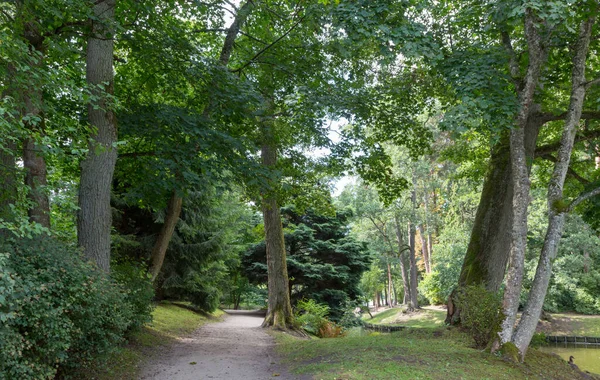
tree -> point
(94, 217)
(556, 213)
(324, 263)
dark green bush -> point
(139, 292)
(480, 313)
(57, 313)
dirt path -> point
(237, 348)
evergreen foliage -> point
(324, 263)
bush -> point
(139, 292)
(480, 313)
(350, 318)
(57, 313)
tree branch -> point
(572, 173)
(263, 50)
(582, 136)
(591, 83)
(583, 197)
(513, 63)
(547, 116)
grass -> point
(425, 318)
(412, 354)
(583, 325)
(571, 325)
(169, 322)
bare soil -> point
(237, 348)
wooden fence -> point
(383, 328)
(574, 339)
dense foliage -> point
(324, 263)
(58, 313)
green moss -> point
(510, 351)
(560, 206)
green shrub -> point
(538, 339)
(58, 313)
(139, 292)
(480, 313)
(350, 318)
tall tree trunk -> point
(385, 293)
(33, 158)
(390, 284)
(488, 251)
(166, 234)
(556, 212)
(404, 263)
(430, 247)
(424, 249)
(164, 237)
(414, 303)
(395, 289)
(279, 313)
(520, 175)
(94, 218)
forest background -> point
(166, 150)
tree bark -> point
(164, 237)
(414, 302)
(279, 313)
(520, 175)
(430, 247)
(404, 264)
(487, 253)
(94, 217)
(34, 162)
(424, 249)
(556, 213)
(390, 284)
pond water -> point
(587, 359)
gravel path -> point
(237, 348)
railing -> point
(573, 339)
(382, 328)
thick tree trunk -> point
(279, 313)
(424, 249)
(487, 253)
(36, 179)
(556, 213)
(414, 303)
(94, 217)
(166, 233)
(404, 263)
(33, 158)
(520, 176)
